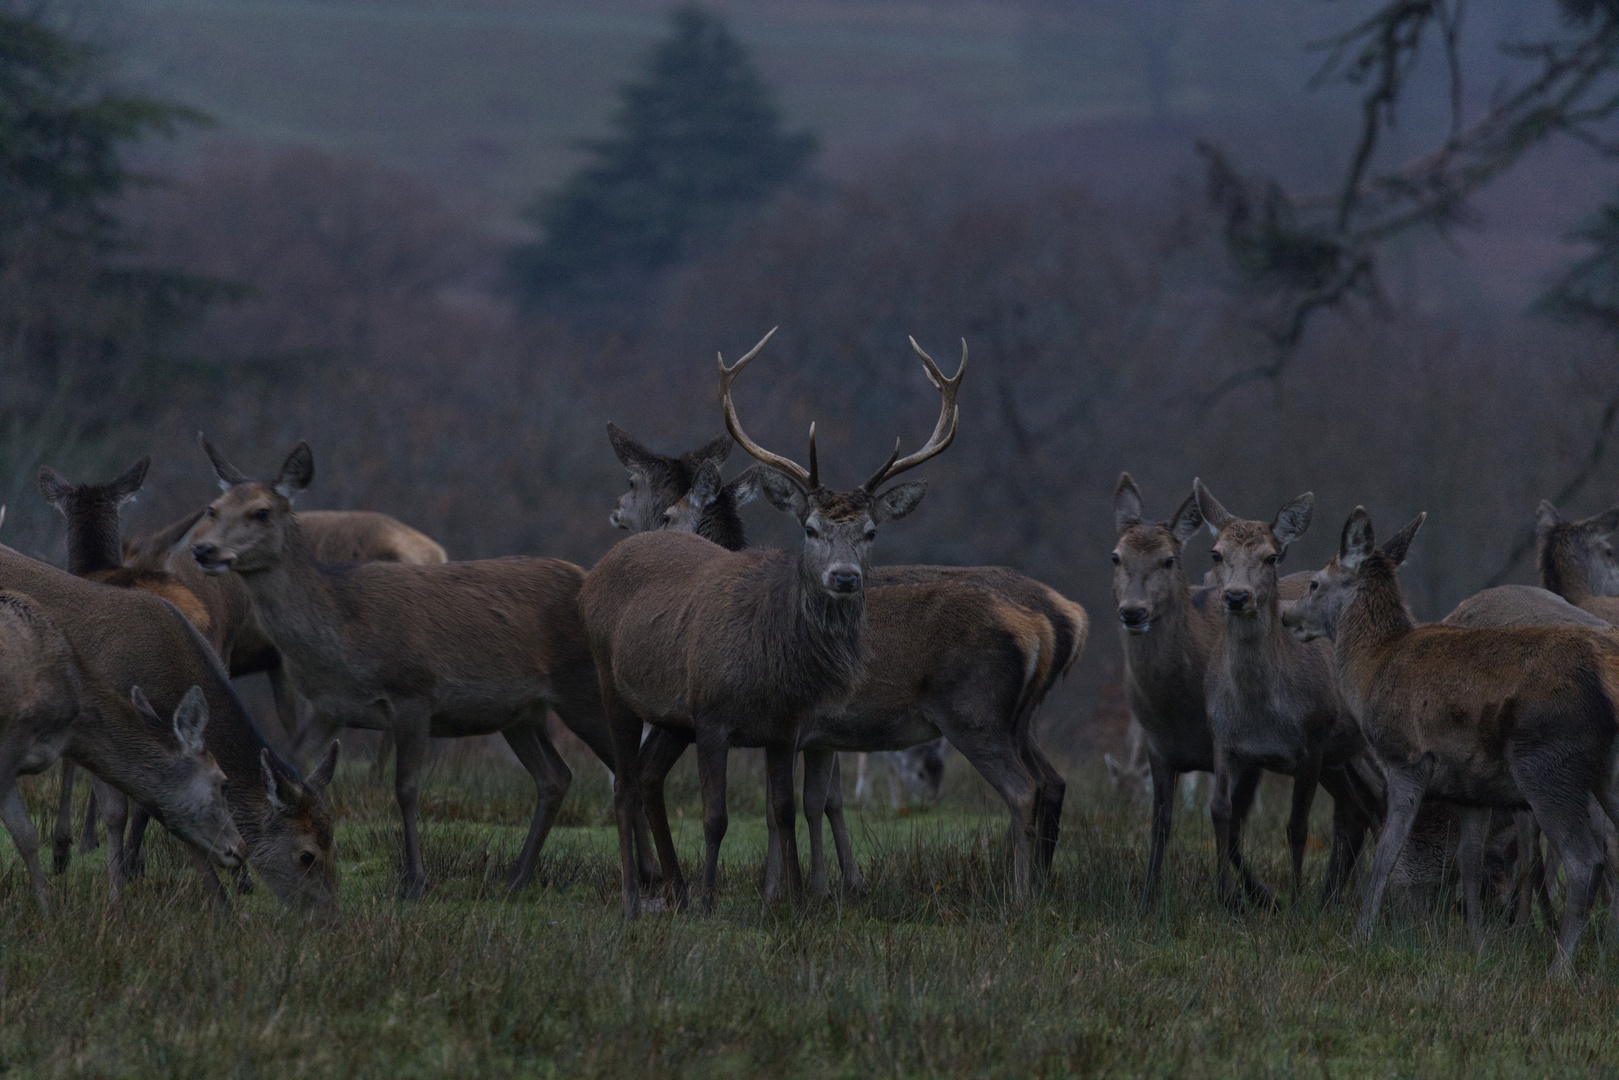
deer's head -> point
(192, 784)
(1575, 556)
(1148, 578)
(1247, 553)
(839, 526)
(1318, 612)
(657, 481)
(295, 853)
(245, 528)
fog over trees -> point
(272, 289)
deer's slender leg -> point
(624, 727)
(1163, 815)
(852, 879)
(115, 812)
(135, 844)
(658, 755)
(1350, 800)
(1406, 785)
(713, 750)
(779, 761)
(1244, 795)
(533, 747)
(1053, 789)
(1224, 834)
(62, 834)
(998, 761)
(286, 704)
(1475, 831)
(23, 834)
(773, 856)
(819, 764)
(89, 838)
(410, 725)
(1305, 780)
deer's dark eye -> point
(871, 534)
(212, 513)
(307, 859)
(1314, 585)
(1116, 559)
(261, 515)
(1169, 563)
(809, 531)
(1270, 560)
(1216, 556)
(632, 483)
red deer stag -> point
(741, 648)
(1272, 701)
(50, 705)
(946, 654)
(1482, 718)
(450, 650)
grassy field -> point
(935, 971)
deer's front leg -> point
(410, 727)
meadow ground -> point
(934, 971)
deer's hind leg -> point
(658, 755)
(779, 761)
(411, 721)
(998, 761)
(1234, 787)
(1306, 778)
(533, 747)
(26, 838)
(713, 754)
(852, 878)
(1406, 785)
(62, 834)
(820, 767)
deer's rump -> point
(1492, 706)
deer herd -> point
(1467, 741)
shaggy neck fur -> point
(92, 536)
(1373, 622)
(721, 523)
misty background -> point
(357, 239)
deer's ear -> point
(297, 472)
(190, 719)
(1398, 546)
(54, 486)
(1126, 503)
(898, 501)
(1187, 520)
(714, 451)
(705, 486)
(1606, 522)
(130, 481)
(322, 776)
(144, 707)
(783, 493)
(1293, 520)
(1214, 515)
(273, 782)
(229, 475)
(631, 454)
(1358, 540)
(1546, 517)
(745, 487)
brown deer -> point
(945, 655)
(1168, 633)
(1576, 561)
(1483, 718)
(218, 606)
(741, 648)
(448, 650)
(51, 705)
(128, 637)
(1272, 702)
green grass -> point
(934, 971)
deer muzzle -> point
(212, 559)
(843, 580)
(1134, 619)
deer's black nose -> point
(844, 581)
(1132, 616)
(205, 553)
(1237, 599)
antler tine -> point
(944, 432)
(815, 467)
(783, 465)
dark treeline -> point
(267, 296)
(1095, 330)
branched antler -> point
(805, 478)
(944, 432)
